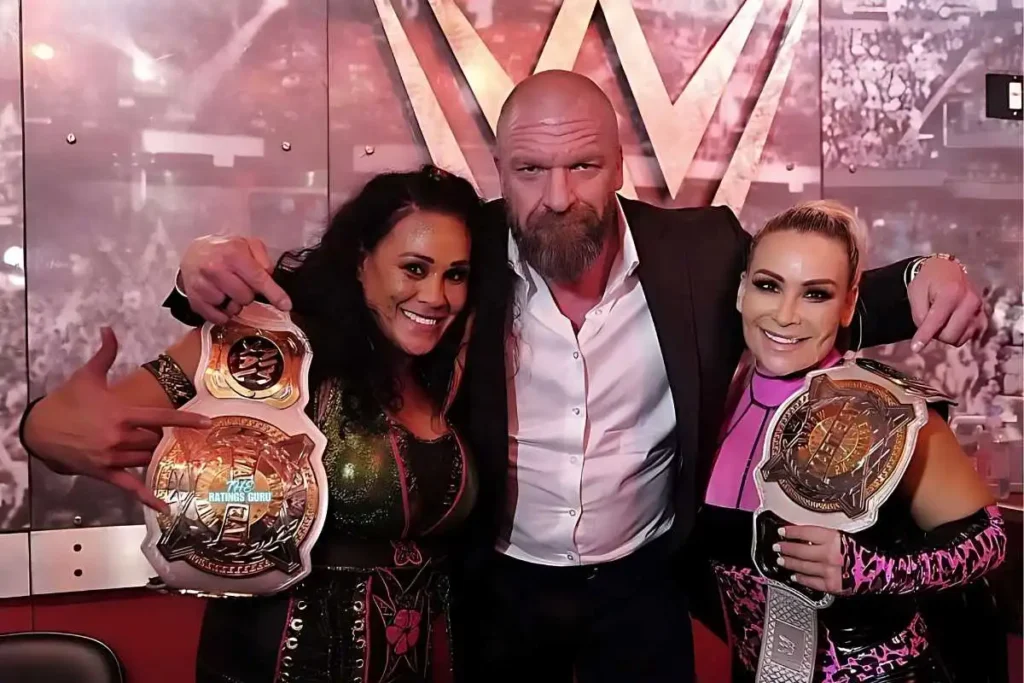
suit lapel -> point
(664, 273)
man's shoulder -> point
(706, 223)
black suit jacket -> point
(690, 264)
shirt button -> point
(574, 460)
(597, 311)
(569, 556)
(572, 513)
(575, 354)
(576, 411)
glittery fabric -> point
(387, 484)
(375, 607)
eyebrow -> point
(588, 156)
(413, 254)
(806, 283)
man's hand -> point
(85, 428)
(222, 274)
(945, 305)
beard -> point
(562, 246)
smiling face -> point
(416, 279)
(793, 299)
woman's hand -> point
(814, 555)
(84, 427)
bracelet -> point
(179, 285)
(914, 267)
(21, 439)
(24, 421)
(173, 380)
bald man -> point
(623, 341)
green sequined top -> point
(386, 483)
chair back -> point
(46, 657)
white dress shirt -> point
(591, 422)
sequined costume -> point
(873, 635)
(375, 607)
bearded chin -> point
(559, 261)
(562, 252)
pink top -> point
(732, 479)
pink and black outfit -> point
(879, 632)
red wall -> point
(154, 635)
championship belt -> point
(248, 496)
(833, 454)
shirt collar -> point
(626, 264)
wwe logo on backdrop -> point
(674, 128)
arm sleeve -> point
(951, 555)
(177, 303)
(175, 383)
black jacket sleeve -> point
(883, 309)
(179, 308)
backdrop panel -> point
(713, 97)
(148, 124)
(906, 142)
(14, 498)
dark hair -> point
(821, 217)
(329, 303)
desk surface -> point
(1013, 507)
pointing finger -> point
(232, 286)
(151, 418)
(960, 322)
(125, 480)
(935, 319)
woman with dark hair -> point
(385, 299)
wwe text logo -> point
(675, 129)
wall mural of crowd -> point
(254, 116)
